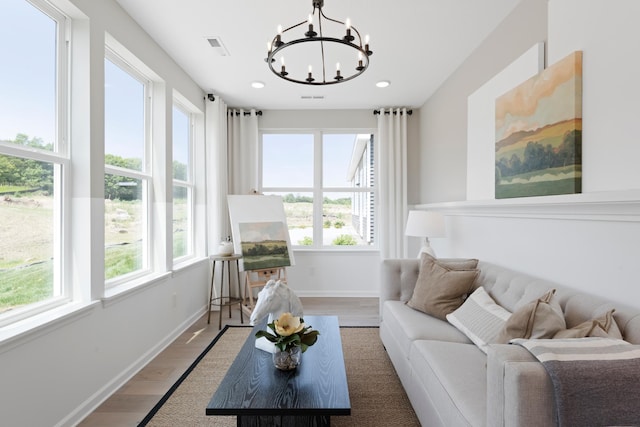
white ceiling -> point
(416, 44)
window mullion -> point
(317, 190)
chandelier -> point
(316, 48)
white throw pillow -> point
(480, 318)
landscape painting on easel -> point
(264, 245)
(539, 133)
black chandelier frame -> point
(277, 45)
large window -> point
(33, 157)
(127, 178)
(182, 183)
(50, 231)
(327, 182)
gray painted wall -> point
(442, 151)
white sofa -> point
(451, 382)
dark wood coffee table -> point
(261, 395)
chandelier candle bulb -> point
(283, 71)
(310, 33)
(347, 24)
(310, 78)
(360, 66)
(338, 76)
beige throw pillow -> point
(450, 263)
(540, 318)
(441, 289)
(604, 326)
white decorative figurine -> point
(274, 299)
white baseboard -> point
(90, 405)
(338, 294)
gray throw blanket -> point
(596, 381)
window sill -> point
(329, 250)
(18, 333)
(188, 263)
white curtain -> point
(243, 151)
(231, 163)
(218, 227)
(392, 143)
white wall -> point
(587, 241)
(57, 373)
(317, 119)
(608, 34)
(335, 274)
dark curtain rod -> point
(212, 98)
(376, 112)
(246, 113)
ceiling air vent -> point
(218, 46)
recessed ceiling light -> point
(383, 83)
(257, 85)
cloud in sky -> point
(544, 99)
(261, 231)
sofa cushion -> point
(512, 289)
(541, 318)
(455, 377)
(410, 325)
(603, 326)
(441, 287)
(480, 318)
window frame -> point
(59, 157)
(318, 190)
(145, 175)
(188, 184)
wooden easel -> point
(257, 279)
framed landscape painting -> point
(539, 133)
(264, 245)
(260, 232)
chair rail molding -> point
(618, 206)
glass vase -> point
(288, 359)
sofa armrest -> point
(397, 279)
(519, 390)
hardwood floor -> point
(129, 405)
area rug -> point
(377, 397)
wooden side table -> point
(222, 300)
